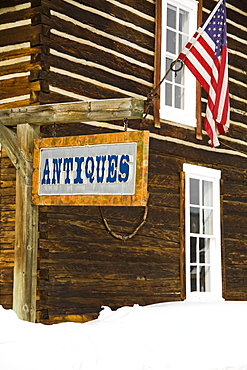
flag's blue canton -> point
(216, 29)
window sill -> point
(204, 297)
(180, 118)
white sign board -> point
(92, 169)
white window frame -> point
(212, 175)
(187, 115)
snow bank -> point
(174, 336)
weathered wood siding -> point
(7, 229)
(14, 91)
(98, 49)
(105, 49)
(15, 55)
(83, 267)
(18, 58)
(144, 269)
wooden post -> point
(157, 61)
(26, 230)
(198, 131)
(182, 237)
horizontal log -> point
(6, 301)
(14, 87)
(110, 26)
(15, 16)
(132, 82)
(105, 110)
(16, 35)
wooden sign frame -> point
(139, 198)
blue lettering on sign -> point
(124, 168)
(78, 179)
(108, 169)
(67, 166)
(46, 174)
(112, 168)
(100, 159)
(56, 170)
(89, 169)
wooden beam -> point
(93, 110)
(26, 232)
(9, 142)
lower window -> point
(202, 233)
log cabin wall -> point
(144, 269)
(105, 49)
(18, 59)
(98, 49)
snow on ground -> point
(175, 336)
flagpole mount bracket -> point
(173, 65)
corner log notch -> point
(19, 148)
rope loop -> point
(125, 237)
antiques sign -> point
(105, 169)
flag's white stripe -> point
(203, 52)
(215, 73)
(211, 122)
(199, 67)
(224, 92)
(208, 40)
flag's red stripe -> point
(220, 86)
(195, 72)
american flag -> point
(207, 58)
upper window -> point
(178, 91)
(202, 233)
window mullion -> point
(197, 264)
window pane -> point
(205, 279)
(207, 193)
(204, 251)
(168, 94)
(207, 220)
(182, 41)
(193, 249)
(194, 220)
(194, 191)
(193, 278)
(171, 16)
(168, 64)
(179, 97)
(183, 21)
(180, 77)
(171, 41)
